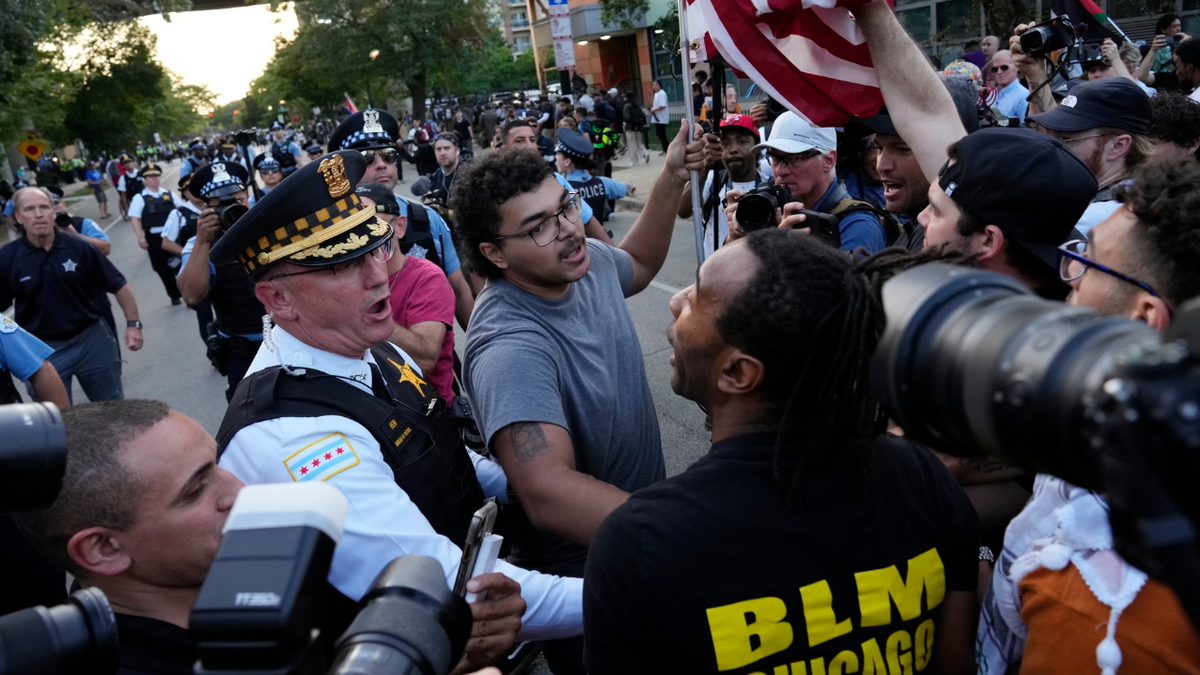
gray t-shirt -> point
(577, 363)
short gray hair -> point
(97, 489)
(31, 190)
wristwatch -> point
(134, 324)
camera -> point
(79, 635)
(774, 108)
(971, 363)
(264, 604)
(1090, 55)
(245, 137)
(1172, 40)
(1058, 34)
(756, 209)
(228, 211)
(63, 220)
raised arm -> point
(919, 105)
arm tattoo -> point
(528, 440)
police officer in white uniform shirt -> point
(328, 398)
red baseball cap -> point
(744, 122)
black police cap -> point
(573, 144)
(364, 130)
(312, 219)
(266, 160)
(219, 179)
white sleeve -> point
(172, 226)
(121, 184)
(136, 204)
(491, 476)
(382, 523)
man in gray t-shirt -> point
(553, 365)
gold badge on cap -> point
(334, 171)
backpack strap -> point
(892, 228)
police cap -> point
(151, 169)
(219, 179)
(267, 161)
(573, 144)
(364, 130)
(313, 219)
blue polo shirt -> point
(859, 229)
(56, 290)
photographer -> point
(804, 161)
(1174, 126)
(740, 170)
(1058, 577)
(222, 187)
(1105, 124)
(148, 211)
(794, 529)
(373, 133)
(55, 278)
(197, 159)
(446, 149)
(1159, 67)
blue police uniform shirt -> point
(858, 229)
(89, 228)
(9, 207)
(585, 210)
(21, 353)
(614, 189)
(442, 239)
(55, 290)
(212, 281)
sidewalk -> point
(641, 175)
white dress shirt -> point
(382, 523)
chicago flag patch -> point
(322, 460)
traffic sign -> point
(32, 148)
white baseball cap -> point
(792, 134)
(613, 91)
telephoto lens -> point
(410, 623)
(972, 363)
(33, 456)
(78, 636)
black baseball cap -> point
(382, 195)
(1026, 183)
(1113, 102)
(963, 93)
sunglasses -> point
(388, 155)
(996, 69)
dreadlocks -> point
(813, 316)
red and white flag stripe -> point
(807, 54)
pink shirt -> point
(420, 293)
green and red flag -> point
(1087, 17)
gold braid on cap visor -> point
(311, 245)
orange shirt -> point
(1066, 623)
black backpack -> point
(636, 119)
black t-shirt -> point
(713, 571)
(153, 647)
(56, 290)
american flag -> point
(807, 54)
(350, 105)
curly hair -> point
(1164, 198)
(483, 187)
(813, 316)
(1174, 118)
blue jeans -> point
(93, 357)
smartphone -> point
(481, 526)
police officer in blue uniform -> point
(239, 314)
(328, 398)
(268, 167)
(573, 159)
(373, 133)
(286, 152)
(181, 227)
(25, 357)
(194, 161)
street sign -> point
(31, 148)
(564, 53)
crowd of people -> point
(813, 536)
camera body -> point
(1058, 33)
(756, 211)
(245, 137)
(229, 210)
(1090, 54)
(1172, 40)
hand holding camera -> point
(1032, 66)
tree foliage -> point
(625, 13)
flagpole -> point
(1118, 28)
(690, 105)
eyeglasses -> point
(1080, 138)
(381, 254)
(389, 155)
(794, 160)
(1005, 67)
(1072, 265)
(268, 172)
(548, 230)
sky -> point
(222, 49)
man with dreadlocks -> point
(807, 536)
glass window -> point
(1121, 9)
(917, 22)
(957, 19)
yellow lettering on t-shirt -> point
(923, 644)
(733, 626)
(873, 663)
(844, 662)
(877, 589)
(819, 617)
(899, 659)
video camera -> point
(79, 636)
(245, 137)
(756, 211)
(261, 607)
(1090, 54)
(973, 364)
(1058, 33)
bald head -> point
(31, 193)
(1003, 68)
(989, 45)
